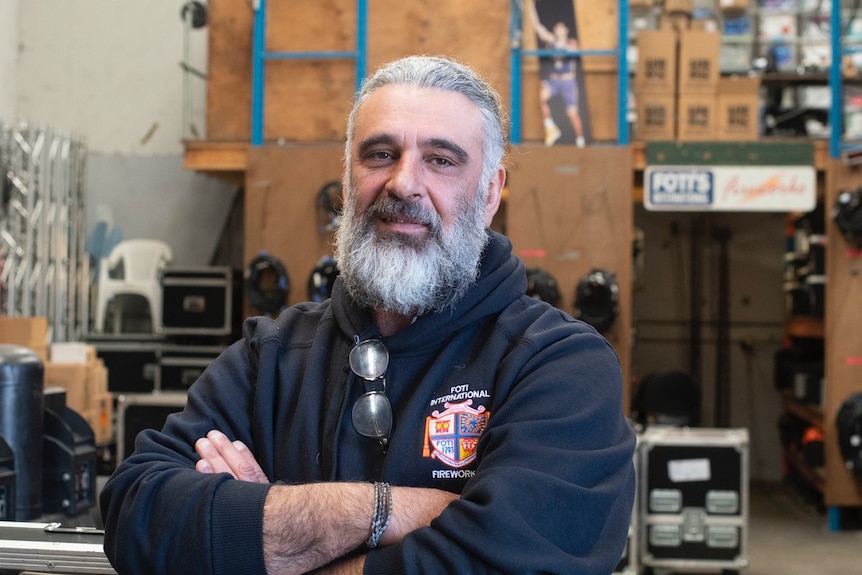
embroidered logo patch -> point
(452, 435)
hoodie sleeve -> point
(161, 515)
(554, 489)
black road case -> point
(7, 482)
(139, 411)
(69, 463)
(197, 301)
(181, 365)
(693, 498)
(133, 366)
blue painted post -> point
(623, 75)
(361, 42)
(836, 85)
(834, 518)
(257, 72)
(515, 55)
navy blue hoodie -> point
(504, 399)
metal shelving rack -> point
(260, 55)
(45, 271)
(850, 152)
(517, 54)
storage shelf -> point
(805, 326)
(227, 160)
(814, 477)
(807, 412)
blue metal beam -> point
(260, 55)
(836, 85)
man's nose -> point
(407, 180)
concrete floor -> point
(789, 535)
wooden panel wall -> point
(281, 188)
(569, 210)
(308, 100)
(843, 333)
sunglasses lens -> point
(372, 415)
(369, 359)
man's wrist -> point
(382, 512)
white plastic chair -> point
(139, 264)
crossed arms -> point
(310, 526)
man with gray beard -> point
(430, 417)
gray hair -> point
(443, 74)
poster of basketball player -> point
(562, 95)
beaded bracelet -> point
(382, 512)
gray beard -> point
(401, 274)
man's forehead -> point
(432, 114)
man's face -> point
(415, 206)
(419, 145)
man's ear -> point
(495, 194)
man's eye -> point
(380, 155)
(440, 161)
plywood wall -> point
(281, 188)
(843, 333)
(308, 100)
(569, 210)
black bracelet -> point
(382, 512)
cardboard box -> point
(696, 117)
(679, 6)
(41, 351)
(100, 416)
(73, 378)
(97, 377)
(656, 117)
(677, 22)
(69, 352)
(732, 5)
(24, 331)
(698, 62)
(657, 62)
(641, 3)
(737, 118)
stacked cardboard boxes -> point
(697, 87)
(76, 368)
(738, 115)
(678, 87)
(655, 85)
(72, 366)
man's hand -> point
(220, 455)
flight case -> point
(34, 547)
(197, 301)
(139, 411)
(693, 498)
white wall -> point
(109, 71)
(8, 52)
